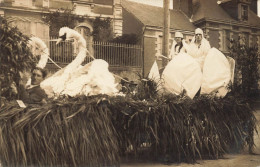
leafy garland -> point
(15, 56)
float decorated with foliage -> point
(88, 122)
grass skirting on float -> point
(97, 130)
(178, 129)
(68, 132)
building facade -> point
(27, 14)
(220, 21)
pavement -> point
(244, 159)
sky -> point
(152, 2)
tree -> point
(246, 69)
(102, 30)
(127, 39)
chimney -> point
(183, 5)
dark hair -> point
(43, 71)
(179, 47)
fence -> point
(116, 54)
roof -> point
(253, 19)
(210, 9)
(153, 16)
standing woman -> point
(199, 47)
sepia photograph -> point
(129, 83)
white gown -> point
(154, 73)
(216, 73)
(175, 51)
(198, 52)
(182, 72)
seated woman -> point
(201, 67)
(213, 63)
(199, 47)
(177, 45)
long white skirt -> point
(182, 73)
(216, 73)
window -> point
(45, 3)
(244, 12)
(159, 44)
(25, 3)
(226, 40)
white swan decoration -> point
(37, 43)
(91, 79)
(38, 47)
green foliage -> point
(15, 56)
(60, 18)
(127, 39)
(102, 30)
(246, 68)
(146, 89)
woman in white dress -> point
(199, 47)
(177, 45)
(182, 72)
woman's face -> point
(198, 38)
(178, 40)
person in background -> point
(177, 45)
(7, 91)
(34, 93)
(125, 86)
(199, 47)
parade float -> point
(88, 122)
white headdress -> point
(178, 35)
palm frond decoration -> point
(67, 132)
(98, 130)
